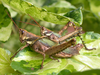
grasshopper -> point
(25, 36)
(38, 46)
(56, 37)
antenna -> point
(27, 23)
(35, 21)
(12, 19)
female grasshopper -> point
(57, 37)
(39, 46)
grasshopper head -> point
(26, 36)
(45, 31)
(22, 35)
(80, 30)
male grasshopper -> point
(40, 47)
(57, 37)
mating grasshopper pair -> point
(44, 49)
(56, 37)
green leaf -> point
(37, 3)
(60, 7)
(95, 2)
(95, 5)
(76, 15)
(92, 35)
(90, 22)
(40, 13)
(5, 24)
(53, 73)
(50, 2)
(5, 67)
(85, 4)
(88, 72)
(88, 37)
(64, 72)
(62, 4)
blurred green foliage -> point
(52, 14)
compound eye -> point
(22, 32)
